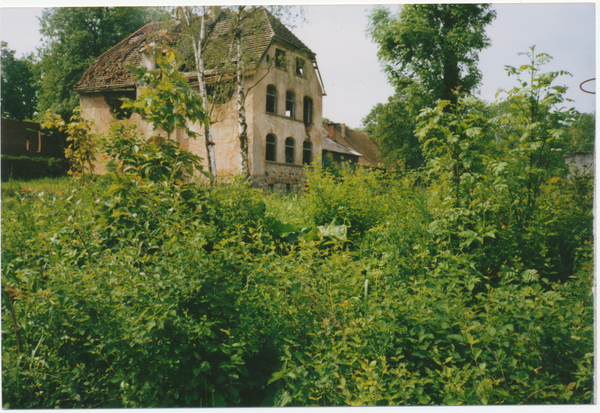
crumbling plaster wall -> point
(94, 107)
(274, 174)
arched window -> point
(289, 150)
(307, 152)
(290, 104)
(307, 110)
(271, 99)
(271, 148)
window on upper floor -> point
(290, 104)
(308, 110)
(280, 59)
(289, 150)
(307, 152)
(271, 148)
(299, 66)
(271, 99)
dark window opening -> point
(271, 99)
(289, 150)
(307, 110)
(299, 66)
(306, 152)
(279, 59)
(288, 188)
(271, 148)
(290, 105)
(271, 187)
(115, 100)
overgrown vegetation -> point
(467, 284)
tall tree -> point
(75, 37)
(19, 85)
(436, 45)
(197, 36)
(391, 127)
(427, 52)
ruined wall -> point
(26, 139)
(225, 136)
(94, 107)
(580, 162)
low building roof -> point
(333, 146)
(359, 142)
(260, 30)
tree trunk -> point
(197, 43)
(242, 125)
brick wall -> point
(25, 139)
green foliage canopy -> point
(391, 126)
(427, 51)
(436, 45)
(20, 85)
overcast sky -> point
(348, 61)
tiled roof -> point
(109, 69)
(355, 140)
(260, 28)
(333, 146)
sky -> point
(347, 59)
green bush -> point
(32, 167)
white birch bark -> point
(242, 125)
(199, 58)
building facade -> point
(284, 98)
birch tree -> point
(241, 89)
(186, 15)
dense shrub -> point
(32, 167)
(211, 311)
(144, 289)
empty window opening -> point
(307, 152)
(289, 150)
(271, 187)
(288, 188)
(307, 110)
(115, 100)
(279, 58)
(271, 148)
(299, 66)
(290, 104)
(271, 99)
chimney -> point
(331, 130)
(343, 129)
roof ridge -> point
(283, 34)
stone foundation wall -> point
(280, 178)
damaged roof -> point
(260, 30)
(333, 146)
(355, 140)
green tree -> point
(427, 52)
(75, 37)
(435, 45)
(391, 126)
(538, 125)
(582, 133)
(19, 85)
